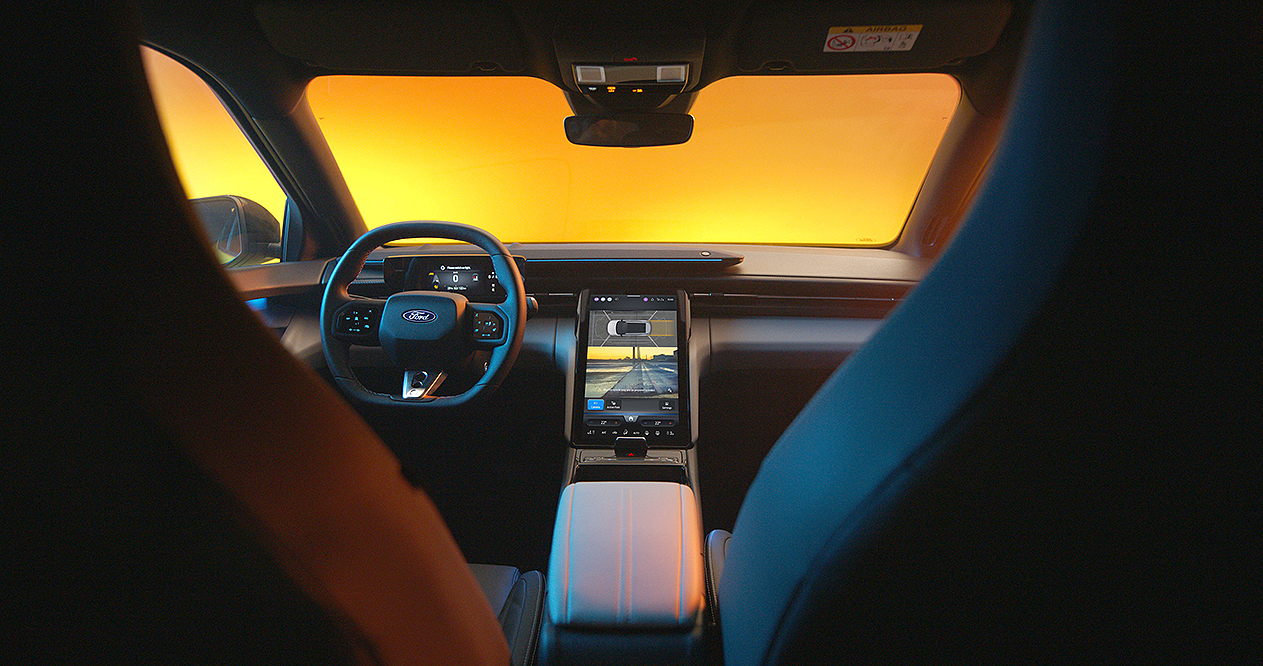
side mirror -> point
(241, 232)
(630, 130)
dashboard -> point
(752, 306)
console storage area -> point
(625, 579)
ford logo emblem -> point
(419, 316)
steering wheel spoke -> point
(358, 320)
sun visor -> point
(394, 37)
(841, 38)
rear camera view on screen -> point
(632, 354)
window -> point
(810, 160)
(233, 193)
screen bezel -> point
(685, 436)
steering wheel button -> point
(487, 326)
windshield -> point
(807, 160)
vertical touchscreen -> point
(631, 381)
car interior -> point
(1009, 423)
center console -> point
(625, 579)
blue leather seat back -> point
(1050, 452)
(872, 428)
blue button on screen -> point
(596, 405)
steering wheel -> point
(425, 333)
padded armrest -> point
(626, 554)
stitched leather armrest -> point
(626, 554)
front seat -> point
(1035, 459)
(198, 496)
(1047, 453)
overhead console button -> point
(589, 74)
(673, 73)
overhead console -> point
(637, 59)
(628, 74)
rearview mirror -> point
(241, 232)
(630, 130)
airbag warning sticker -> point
(871, 38)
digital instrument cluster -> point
(469, 275)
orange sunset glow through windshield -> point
(791, 160)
